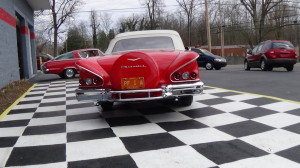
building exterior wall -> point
(9, 61)
(237, 52)
(234, 54)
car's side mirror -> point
(249, 52)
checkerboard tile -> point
(50, 128)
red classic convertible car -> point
(141, 66)
(64, 65)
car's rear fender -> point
(263, 57)
(92, 66)
(183, 60)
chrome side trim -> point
(66, 59)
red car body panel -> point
(162, 64)
(280, 53)
(58, 66)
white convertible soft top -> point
(178, 44)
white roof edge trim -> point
(145, 32)
(39, 4)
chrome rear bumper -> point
(168, 91)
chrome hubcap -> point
(69, 73)
(208, 65)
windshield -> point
(282, 45)
(90, 53)
(206, 52)
(65, 56)
(144, 43)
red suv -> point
(271, 53)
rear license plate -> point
(133, 83)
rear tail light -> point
(177, 76)
(87, 79)
(97, 81)
(188, 72)
(271, 54)
(81, 82)
(295, 54)
(193, 75)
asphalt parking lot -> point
(222, 128)
(276, 83)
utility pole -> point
(221, 30)
(207, 26)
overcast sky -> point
(117, 8)
(117, 4)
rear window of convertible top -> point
(144, 43)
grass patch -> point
(10, 93)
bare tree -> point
(105, 21)
(153, 11)
(259, 9)
(129, 24)
(61, 10)
(95, 25)
(41, 42)
(83, 29)
(188, 6)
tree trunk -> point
(153, 16)
(94, 39)
(189, 30)
(94, 35)
(55, 27)
(55, 42)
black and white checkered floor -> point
(49, 128)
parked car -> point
(141, 66)
(271, 53)
(209, 60)
(42, 58)
(64, 65)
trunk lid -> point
(138, 69)
(163, 58)
(283, 49)
(284, 53)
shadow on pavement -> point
(46, 78)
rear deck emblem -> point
(133, 59)
(133, 66)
